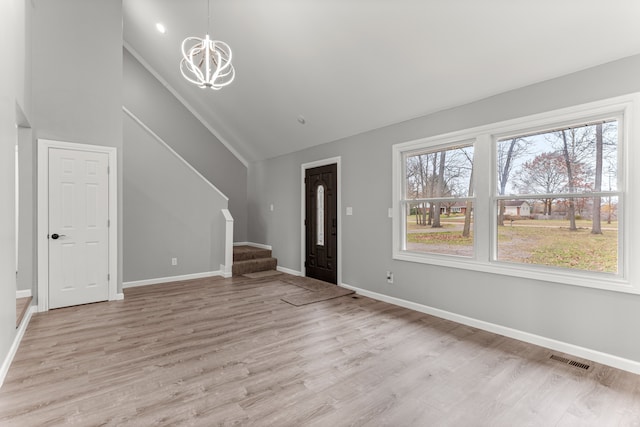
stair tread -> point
(243, 253)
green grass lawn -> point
(445, 237)
(447, 222)
(541, 242)
(560, 247)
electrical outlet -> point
(389, 277)
(174, 261)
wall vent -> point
(570, 362)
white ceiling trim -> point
(184, 102)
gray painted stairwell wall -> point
(158, 109)
(169, 212)
(594, 319)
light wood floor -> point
(230, 352)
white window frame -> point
(436, 147)
(625, 108)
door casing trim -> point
(303, 169)
(43, 215)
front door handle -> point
(56, 236)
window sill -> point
(602, 281)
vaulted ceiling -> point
(349, 66)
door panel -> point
(78, 214)
(321, 223)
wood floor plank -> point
(230, 352)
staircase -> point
(249, 259)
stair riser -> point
(253, 266)
(253, 254)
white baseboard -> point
(4, 369)
(255, 245)
(146, 282)
(24, 293)
(119, 297)
(289, 271)
(585, 353)
(224, 272)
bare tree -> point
(507, 153)
(597, 201)
(440, 185)
(466, 229)
(432, 184)
(570, 183)
(544, 174)
(423, 173)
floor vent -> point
(570, 362)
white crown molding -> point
(184, 102)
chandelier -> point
(206, 62)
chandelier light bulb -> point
(206, 62)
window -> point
(543, 197)
(438, 200)
(543, 216)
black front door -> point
(321, 223)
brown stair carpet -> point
(249, 259)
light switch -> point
(271, 207)
(349, 210)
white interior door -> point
(78, 231)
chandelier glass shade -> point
(206, 62)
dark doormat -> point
(310, 297)
(261, 274)
(316, 291)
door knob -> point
(56, 236)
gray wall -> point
(11, 85)
(77, 76)
(23, 19)
(600, 320)
(169, 211)
(27, 248)
(157, 108)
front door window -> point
(320, 215)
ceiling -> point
(349, 66)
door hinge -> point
(108, 223)
(108, 277)
(108, 170)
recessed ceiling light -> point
(161, 28)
